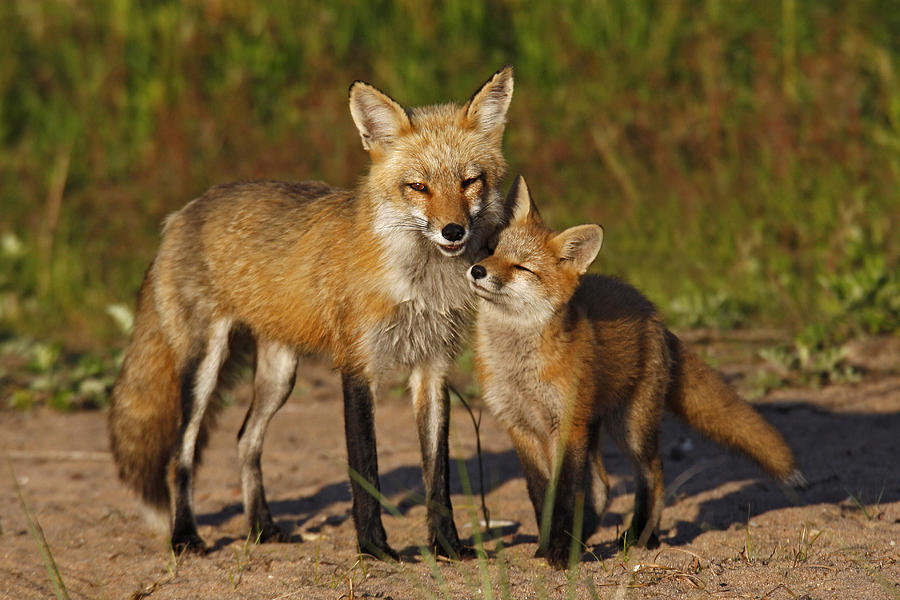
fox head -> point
(533, 271)
(436, 170)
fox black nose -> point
(478, 272)
(453, 232)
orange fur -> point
(560, 353)
(373, 277)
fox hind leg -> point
(198, 385)
(276, 367)
(641, 446)
(596, 487)
(648, 501)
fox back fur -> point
(560, 353)
(373, 277)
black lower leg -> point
(359, 426)
(262, 526)
(184, 525)
(643, 517)
(184, 529)
(565, 528)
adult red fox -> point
(375, 277)
(560, 353)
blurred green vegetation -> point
(744, 157)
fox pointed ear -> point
(579, 245)
(519, 204)
(486, 109)
(378, 117)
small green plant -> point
(813, 358)
(861, 299)
(764, 380)
(628, 542)
(858, 502)
(63, 381)
(804, 543)
(56, 580)
(172, 562)
(502, 571)
(481, 554)
(242, 559)
(318, 560)
(575, 546)
(748, 553)
(865, 298)
(718, 310)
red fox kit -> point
(375, 277)
(560, 353)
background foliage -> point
(743, 156)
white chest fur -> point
(513, 388)
(434, 306)
(417, 334)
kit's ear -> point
(519, 205)
(579, 246)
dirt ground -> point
(727, 530)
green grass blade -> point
(59, 587)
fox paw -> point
(629, 540)
(188, 543)
(458, 552)
(269, 534)
(380, 551)
(557, 556)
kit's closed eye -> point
(522, 268)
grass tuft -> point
(37, 532)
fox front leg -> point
(536, 464)
(568, 495)
(359, 425)
(554, 501)
(432, 409)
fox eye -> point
(468, 182)
(521, 268)
(418, 186)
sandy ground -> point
(727, 530)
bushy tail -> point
(145, 409)
(705, 402)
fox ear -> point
(486, 109)
(519, 203)
(378, 117)
(579, 245)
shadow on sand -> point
(843, 455)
